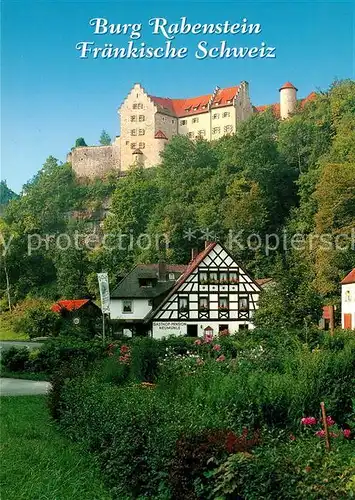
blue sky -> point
(50, 96)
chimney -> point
(161, 271)
(194, 253)
(288, 100)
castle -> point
(149, 122)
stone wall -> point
(94, 161)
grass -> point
(37, 463)
(24, 375)
(7, 332)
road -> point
(19, 387)
(7, 344)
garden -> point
(214, 418)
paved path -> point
(7, 344)
(19, 387)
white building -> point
(139, 293)
(348, 301)
(214, 294)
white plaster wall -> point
(140, 309)
(348, 306)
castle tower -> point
(288, 100)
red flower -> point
(292, 437)
(330, 421)
(308, 421)
(216, 347)
(198, 342)
(124, 349)
(221, 358)
(347, 433)
(320, 433)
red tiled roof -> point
(349, 278)
(263, 281)
(160, 135)
(68, 305)
(276, 107)
(179, 268)
(196, 105)
(287, 85)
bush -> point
(14, 359)
(36, 319)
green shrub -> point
(39, 321)
(15, 359)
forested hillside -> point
(269, 181)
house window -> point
(133, 118)
(195, 120)
(183, 122)
(145, 282)
(127, 306)
(215, 116)
(141, 118)
(223, 278)
(243, 304)
(202, 133)
(127, 143)
(141, 131)
(228, 129)
(213, 278)
(216, 130)
(183, 306)
(135, 106)
(141, 145)
(203, 278)
(190, 135)
(347, 296)
(133, 145)
(223, 303)
(226, 114)
(133, 131)
(233, 277)
(203, 304)
(171, 276)
(243, 327)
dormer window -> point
(146, 282)
(171, 276)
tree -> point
(105, 139)
(80, 142)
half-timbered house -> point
(214, 294)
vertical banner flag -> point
(104, 292)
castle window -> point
(133, 145)
(226, 114)
(216, 130)
(127, 143)
(138, 105)
(215, 116)
(195, 120)
(141, 118)
(190, 135)
(141, 131)
(183, 122)
(228, 129)
(141, 145)
(133, 131)
(133, 118)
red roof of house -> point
(160, 135)
(287, 85)
(349, 278)
(69, 305)
(196, 105)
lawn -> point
(7, 332)
(37, 462)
